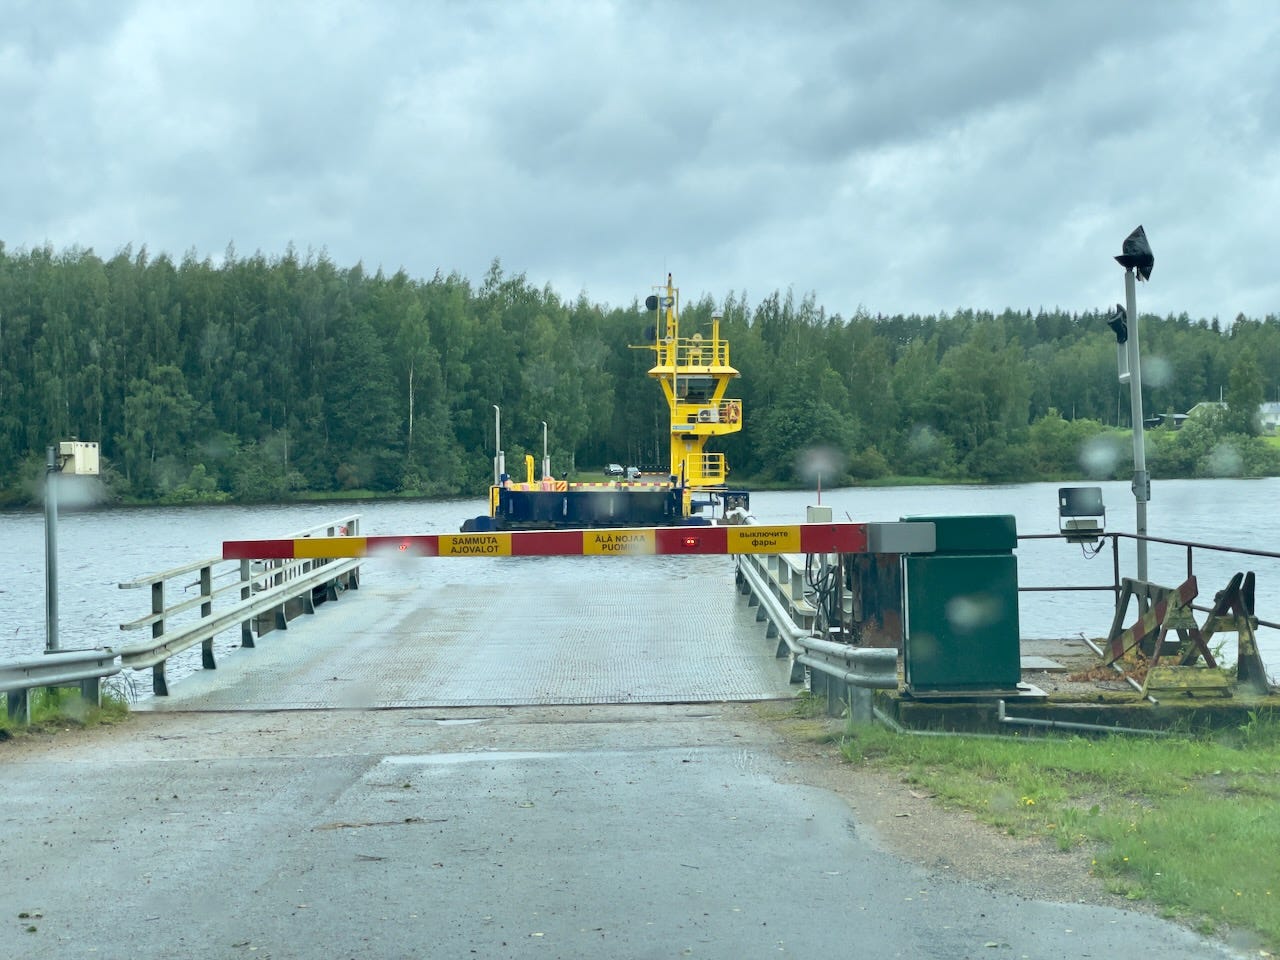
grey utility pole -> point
(67, 457)
(52, 470)
(1138, 261)
(1141, 479)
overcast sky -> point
(899, 156)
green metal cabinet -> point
(961, 632)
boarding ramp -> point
(507, 632)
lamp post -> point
(70, 457)
(499, 461)
(1138, 261)
(52, 468)
(546, 460)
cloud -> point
(911, 157)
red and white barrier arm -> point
(637, 541)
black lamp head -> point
(1136, 253)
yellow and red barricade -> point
(643, 541)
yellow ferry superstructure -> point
(694, 372)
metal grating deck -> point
(573, 631)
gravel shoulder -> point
(920, 828)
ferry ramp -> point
(506, 632)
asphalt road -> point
(557, 832)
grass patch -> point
(809, 722)
(55, 709)
(1188, 824)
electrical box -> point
(78, 457)
(961, 631)
(817, 513)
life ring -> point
(732, 412)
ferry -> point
(694, 373)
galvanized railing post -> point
(246, 591)
(281, 613)
(157, 608)
(159, 683)
(1115, 563)
(206, 590)
(84, 668)
(91, 691)
(206, 610)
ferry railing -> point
(728, 410)
(1116, 586)
(709, 468)
(251, 594)
(697, 351)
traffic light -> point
(1117, 322)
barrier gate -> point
(622, 541)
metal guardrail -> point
(1116, 586)
(782, 576)
(88, 668)
(276, 590)
(266, 595)
(843, 673)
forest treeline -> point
(261, 378)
